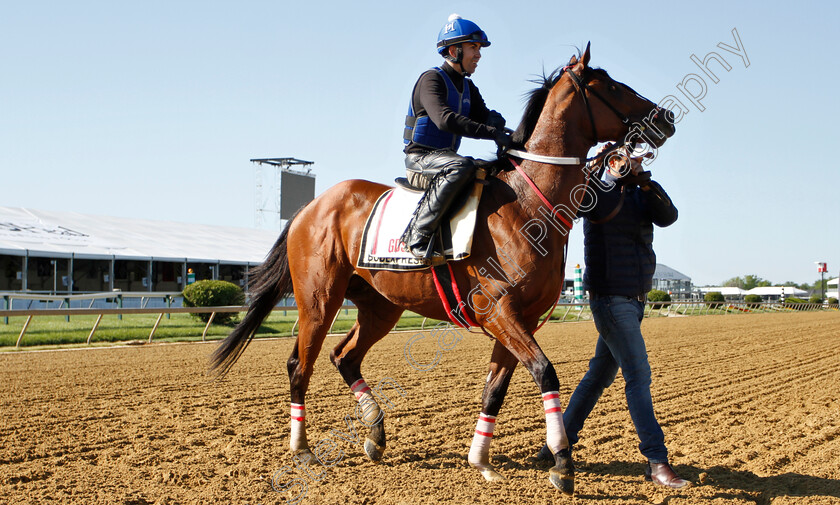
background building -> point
(832, 288)
(677, 284)
(772, 293)
(65, 252)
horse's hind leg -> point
(316, 310)
(376, 317)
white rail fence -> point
(578, 311)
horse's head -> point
(615, 112)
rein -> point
(540, 194)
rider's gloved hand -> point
(503, 139)
(495, 120)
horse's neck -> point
(556, 182)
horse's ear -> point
(585, 56)
(573, 61)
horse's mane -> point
(536, 101)
(534, 106)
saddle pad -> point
(382, 248)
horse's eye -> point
(613, 88)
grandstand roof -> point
(666, 272)
(62, 234)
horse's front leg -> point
(502, 365)
(515, 337)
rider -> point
(445, 106)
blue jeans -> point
(620, 345)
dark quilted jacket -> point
(619, 252)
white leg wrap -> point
(480, 448)
(368, 410)
(298, 438)
(555, 430)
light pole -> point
(822, 268)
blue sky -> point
(153, 109)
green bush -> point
(832, 301)
(752, 299)
(656, 295)
(214, 294)
(795, 303)
(815, 299)
(714, 299)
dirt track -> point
(750, 406)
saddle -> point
(381, 247)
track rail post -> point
(154, 329)
(23, 330)
(203, 335)
(93, 330)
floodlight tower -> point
(264, 204)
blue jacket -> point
(438, 96)
(619, 250)
(424, 132)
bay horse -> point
(315, 258)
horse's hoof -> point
(306, 456)
(491, 475)
(562, 479)
(302, 453)
(374, 451)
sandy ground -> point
(750, 406)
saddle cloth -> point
(382, 248)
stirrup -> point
(429, 256)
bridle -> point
(582, 88)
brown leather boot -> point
(663, 475)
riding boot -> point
(443, 190)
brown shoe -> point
(663, 475)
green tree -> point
(735, 282)
(820, 286)
(747, 282)
(753, 281)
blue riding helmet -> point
(458, 30)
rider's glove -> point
(503, 139)
(495, 120)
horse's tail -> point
(270, 282)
